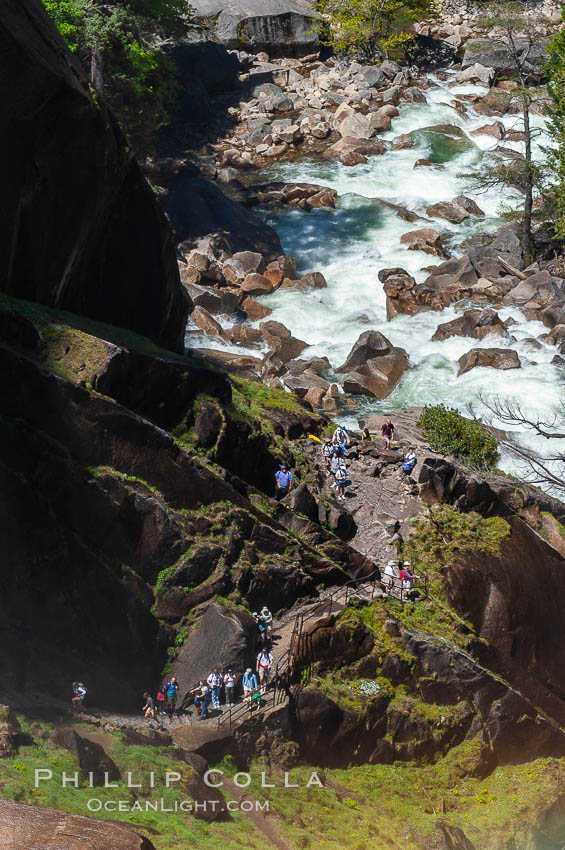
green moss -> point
(258, 397)
(437, 538)
(359, 808)
(410, 704)
(169, 571)
(400, 805)
(99, 471)
(559, 526)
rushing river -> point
(352, 243)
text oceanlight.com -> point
(161, 805)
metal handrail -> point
(349, 586)
(281, 668)
(296, 643)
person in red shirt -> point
(387, 433)
(406, 577)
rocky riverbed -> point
(391, 283)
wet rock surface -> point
(496, 358)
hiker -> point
(204, 698)
(249, 683)
(196, 699)
(409, 461)
(389, 576)
(256, 700)
(161, 700)
(327, 453)
(340, 479)
(149, 707)
(261, 627)
(406, 578)
(267, 618)
(171, 689)
(264, 662)
(387, 433)
(283, 482)
(341, 440)
(79, 693)
(229, 684)
(335, 464)
(215, 683)
(366, 435)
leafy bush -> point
(450, 433)
(372, 28)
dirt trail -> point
(377, 497)
(264, 822)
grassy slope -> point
(362, 807)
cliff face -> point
(112, 533)
(82, 229)
(515, 601)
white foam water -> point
(351, 244)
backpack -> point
(80, 685)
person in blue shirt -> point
(249, 682)
(171, 689)
(283, 482)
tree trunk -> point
(528, 183)
(520, 60)
(97, 70)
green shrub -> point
(450, 433)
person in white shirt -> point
(389, 576)
(264, 663)
(215, 682)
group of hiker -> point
(398, 578)
(208, 693)
(334, 452)
(166, 700)
(254, 683)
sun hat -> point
(249, 670)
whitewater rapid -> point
(352, 243)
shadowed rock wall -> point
(81, 229)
